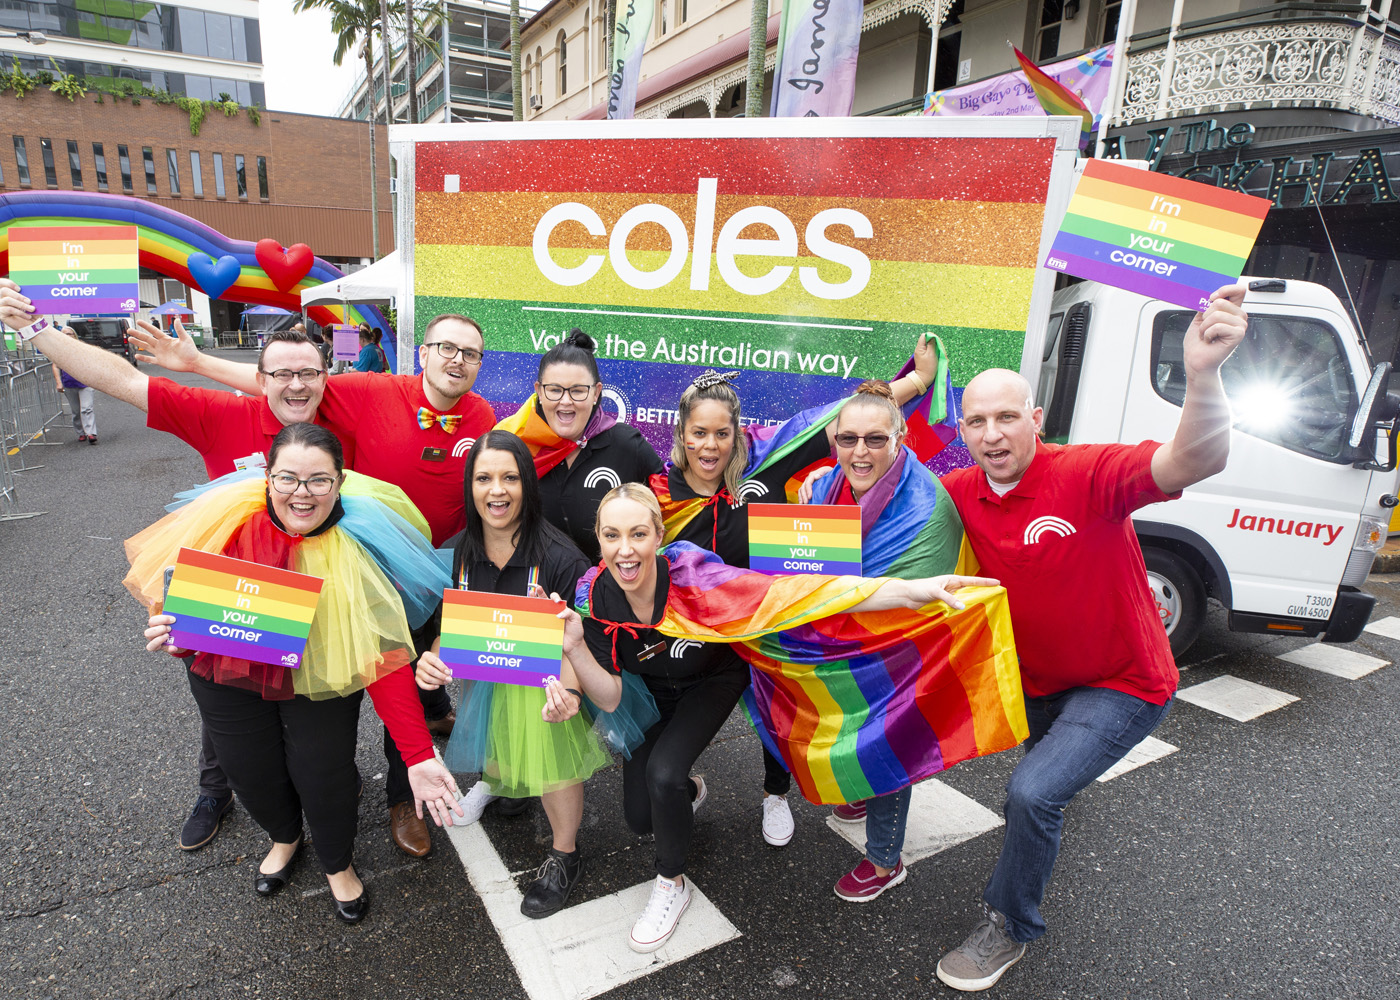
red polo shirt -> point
(222, 426)
(381, 413)
(1062, 545)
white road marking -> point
(1235, 698)
(581, 951)
(1335, 660)
(1388, 627)
(1146, 752)
(939, 818)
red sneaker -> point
(865, 883)
(849, 812)
(82, 437)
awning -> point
(379, 283)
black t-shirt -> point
(654, 656)
(731, 542)
(571, 493)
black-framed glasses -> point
(317, 486)
(554, 391)
(285, 375)
(449, 351)
(874, 441)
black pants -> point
(776, 780)
(289, 758)
(656, 786)
(436, 705)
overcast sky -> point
(297, 66)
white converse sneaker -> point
(701, 792)
(778, 826)
(474, 803)
(658, 921)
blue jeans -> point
(885, 817)
(1075, 736)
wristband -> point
(575, 692)
(918, 382)
(33, 330)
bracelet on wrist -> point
(919, 382)
(33, 330)
(575, 692)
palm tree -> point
(517, 103)
(410, 30)
(353, 22)
(758, 54)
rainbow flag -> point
(1055, 97)
(548, 448)
(866, 703)
(932, 418)
(815, 74)
(629, 39)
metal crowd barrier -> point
(29, 403)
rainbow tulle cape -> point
(862, 704)
(548, 448)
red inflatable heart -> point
(284, 267)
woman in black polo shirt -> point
(508, 547)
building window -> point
(539, 71)
(241, 174)
(603, 41)
(150, 161)
(99, 163)
(219, 175)
(528, 76)
(196, 177)
(563, 67)
(50, 170)
(75, 165)
(1047, 33)
(661, 24)
(124, 161)
(21, 161)
(262, 176)
(172, 167)
(1108, 19)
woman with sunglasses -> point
(718, 464)
(286, 736)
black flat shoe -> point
(270, 884)
(354, 911)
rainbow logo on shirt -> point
(506, 640)
(815, 538)
(232, 607)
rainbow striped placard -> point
(812, 538)
(76, 269)
(233, 607)
(1155, 234)
(495, 637)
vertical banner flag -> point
(629, 39)
(495, 637)
(1085, 76)
(76, 269)
(805, 538)
(815, 76)
(1155, 234)
(238, 608)
(345, 342)
(806, 261)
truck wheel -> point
(1179, 594)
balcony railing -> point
(477, 43)
(486, 98)
(1289, 55)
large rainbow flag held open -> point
(866, 703)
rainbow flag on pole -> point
(1055, 97)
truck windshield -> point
(1288, 382)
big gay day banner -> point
(1010, 94)
(806, 253)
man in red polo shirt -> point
(228, 431)
(1098, 674)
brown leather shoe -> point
(409, 833)
(442, 728)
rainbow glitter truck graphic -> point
(806, 254)
(237, 608)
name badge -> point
(254, 461)
(434, 454)
(650, 651)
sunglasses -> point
(874, 441)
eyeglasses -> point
(285, 375)
(470, 355)
(317, 486)
(578, 393)
(874, 441)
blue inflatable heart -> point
(214, 277)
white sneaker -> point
(778, 826)
(474, 803)
(701, 793)
(658, 921)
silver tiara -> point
(711, 377)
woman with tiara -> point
(286, 736)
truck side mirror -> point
(1377, 412)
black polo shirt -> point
(571, 493)
(657, 658)
(731, 543)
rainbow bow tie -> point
(447, 421)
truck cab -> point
(1286, 535)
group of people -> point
(523, 514)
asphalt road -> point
(1260, 860)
